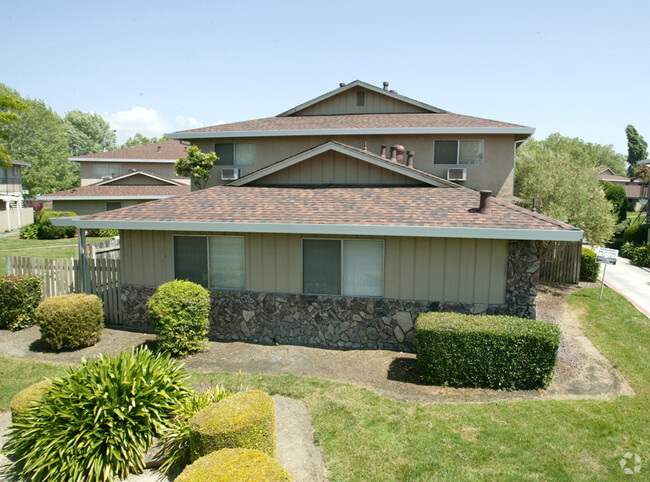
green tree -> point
(141, 140)
(87, 133)
(637, 149)
(564, 184)
(615, 194)
(11, 106)
(39, 138)
(197, 165)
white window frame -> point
(234, 153)
(207, 247)
(458, 141)
(383, 265)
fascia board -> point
(336, 229)
(114, 160)
(100, 198)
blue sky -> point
(580, 68)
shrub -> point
(97, 422)
(500, 352)
(27, 397)
(234, 465)
(245, 420)
(47, 231)
(615, 194)
(636, 233)
(589, 268)
(179, 312)
(102, 233)
(70, 321)
(641, 256)
(627, 250)
(174, 445)
(19, 297)
(29, 232)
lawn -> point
(636, 218)
(37, 248)
(365, 436)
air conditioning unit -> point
(230, 174)
(457, 174)
(106, 178)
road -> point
(630, 281)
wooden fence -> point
(63, 276)
(104, 249)
(560, 263)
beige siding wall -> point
(84, 207)
(346, 103)
(140, 181)
(496, 173)
(450, 270)
(335, 168)
(167, 170)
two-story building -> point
(13, 214)
(336, 222)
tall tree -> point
(11, 106)
(87, 133)
(39, 138)
(637, 149)
(141, 140)
(197, 165)
(564, 184)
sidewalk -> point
(630, 281)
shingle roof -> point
(165, 150)
(126, 191)
(336, 205)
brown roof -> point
(165, 150)
(340, 205)
(357, 121)
(108, 190)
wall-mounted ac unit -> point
(457, 174)
(106, 178)
(230, 174)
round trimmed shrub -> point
(244, 420)
(234, 465)
(71, 321)
(636, 233)
(98, 421)
(179, 312)
(589, 268)
(24, 399)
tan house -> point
(321, 229)
(635, 190)
(13, 214)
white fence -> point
(14, 218)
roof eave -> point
(103, 198)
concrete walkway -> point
(630, 281)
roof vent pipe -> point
(409, 158)
(485, 203)
(383, 150)
(393, 92)
(342, 84)
(385, 85)
(397, 153)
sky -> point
(580, 68)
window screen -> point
(225, 153)
(227, 262)
(361, 98)
(363, 267)
(244, 154)
(321, 266)
(471, 152)
(191, 259)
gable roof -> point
(357, 83)
(163, 180)
(609, 175)
(97, 192)
(165, 151)
(355, 152)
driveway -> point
(630, 281)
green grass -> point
(37, 248)
(16, 374)
(636, 218)
(365, 436)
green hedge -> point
(19, 297)
(25, 398)
(636, 233)
(244, 420)
(179, 312)
(500, 352)
(234, 465)
(589, 268)
(71, 321)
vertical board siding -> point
(346, 103)
(561, 263)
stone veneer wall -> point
(340, 321)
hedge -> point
(589, 268)
(244, 420)
(71, 321)
(234, 465)
(23, 399)
(636, 233)
(500, 352)
(19, 297)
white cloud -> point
(146, 121)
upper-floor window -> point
(235, 154)
(458, 152)
(105, 169)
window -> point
(215, 262)
(361, 98)
(458, 152)
(110, 205)
(237, 154)
(105, 169)
(350, 267)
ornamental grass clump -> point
(179, 312)
(98, 421)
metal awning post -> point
(83, 260)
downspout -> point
(83, 260)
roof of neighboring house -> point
(124, 191)
(426, 123)
(168, 151)
(20, 163)
(162, 179)
(609, 175)
(355, 210)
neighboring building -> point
(635, 190)
(13, 214)
(322, 239)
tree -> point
(39, 138)
(141, 140)
(87, 133)
(564, 184)
(11, 106)
(615, 194)
(637, 149)
(197, 165)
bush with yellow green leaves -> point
(244, 420)
(26, 398)
(234, 465)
